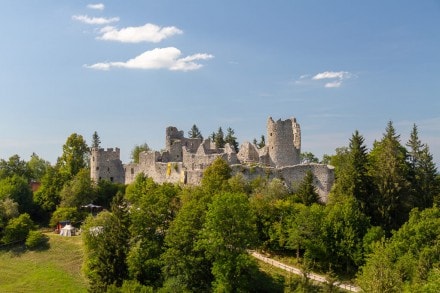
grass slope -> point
(57, 269)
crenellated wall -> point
(106, 165)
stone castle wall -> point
(106, 165)
(292, 175)
(185, 159)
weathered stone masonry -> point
(185, 159)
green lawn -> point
(56, 269)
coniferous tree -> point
(96, 141)
(219, 138)
(231, 139)
(352, 175)
(195, 132)
(262, 142)
(425, 184)
(389, 171)
(306, 192)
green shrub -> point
(18, 228)
(36, 239)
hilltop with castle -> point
(185, 159)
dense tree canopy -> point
(380, 223)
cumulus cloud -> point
(95, 20)
(97, 6)
(159, 58)
(146, 33)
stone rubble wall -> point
(185, 159)
(292, 175)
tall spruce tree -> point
(353, 178)
(195, 132)
(425, 184)
(219, 138)
(306, 192)
(231, 139)
(96, 141)
(389, 171)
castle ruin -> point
(185, 159)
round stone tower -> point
(95, 157)
(282, 142)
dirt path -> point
(312, 276)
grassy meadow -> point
(55, 269)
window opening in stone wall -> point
(108, 168)
(97, 168)
(93, 159)
(132, 171)
(111, 179)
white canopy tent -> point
(68, 231)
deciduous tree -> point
(181, 260)
(137, 150)
(229, 230)
(75, 155)
(37, 167)
(215, 177)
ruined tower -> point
(283, 142)
(106, 165)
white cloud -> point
(334, 79)
(333, 84)
(146, 33)
(97, 6)
(159, 58)
(331, 75)
(95, 20)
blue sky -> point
(129, 69)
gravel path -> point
(297, 271)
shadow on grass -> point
(264, 282)
(42, 247)
(17, 249)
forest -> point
(379, 229)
